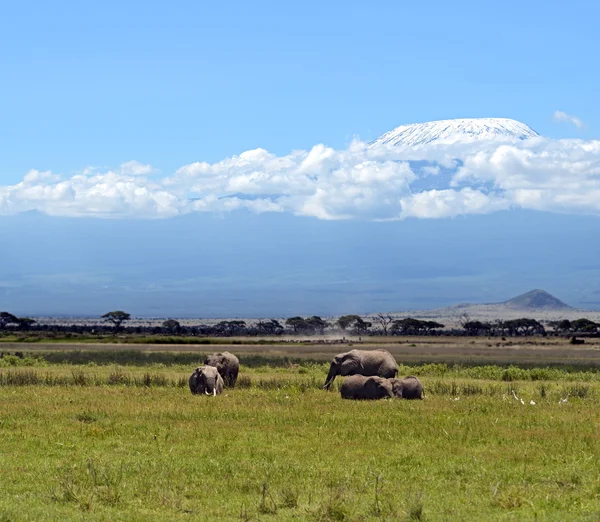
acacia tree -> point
(297, 323)
(463, 319)
(405, 326)
(522, 326)
(477, 328)
(361, 327)
(270, 327)
(235, 327)
(309, 325)
(25, 322)
(584, 325)
(561, 326)
(409, 325)
(358, 324)
(117, 318)
(430, 326)
(7, 318)
(347, 320)
(172, 325)
(384, 321)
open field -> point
(421, 349)
(98, 441)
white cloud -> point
(449, 203)
(135, 168)
(360, 182)
(91, 193)
(563, 116)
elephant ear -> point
(397, 387)
(356, 359)
(351, 359)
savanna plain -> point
(112, 432)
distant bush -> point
(13, 360)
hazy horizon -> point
(206, 266)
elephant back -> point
(222, 360)
(379, 362)
(409, 387)
(359, 387)
(227, 365)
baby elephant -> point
(408, 388)
(366, 388)
(206, 379)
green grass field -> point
(100, 442)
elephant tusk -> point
(206, 392)
(215, 391)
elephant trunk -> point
(211, 387)
(330, 376)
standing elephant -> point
(362, 362)
(227, 364)
(408, 388)
(366, 388)
(206, 379)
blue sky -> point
(193, 121)
(102, 83)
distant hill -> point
(536, 300)
(536, 304)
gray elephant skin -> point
(408, 388)
(379, 363)
(227, 364)
(360, 387)
(206, 380)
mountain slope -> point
(449, 132)
(536, 300)
(535, 304)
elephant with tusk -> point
(408, 388)
(366, 388)
(227, 364)
(206, 380)
(378, 363)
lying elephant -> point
(408, 388)
(366, 388)
(227, 364)
(362, 362)
(206, 379)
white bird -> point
(517, 398)
(532, 403)
(562, 401)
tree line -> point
(355, 325)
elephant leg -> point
(234, 376)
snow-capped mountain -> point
(449, 132)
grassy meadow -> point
(85, 438)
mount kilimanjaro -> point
(450, 132)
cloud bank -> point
(360, 182)
(563, 116)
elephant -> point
(362, 362)
(366, 388)
(227, 364)
(206, 379)
(408, 388)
